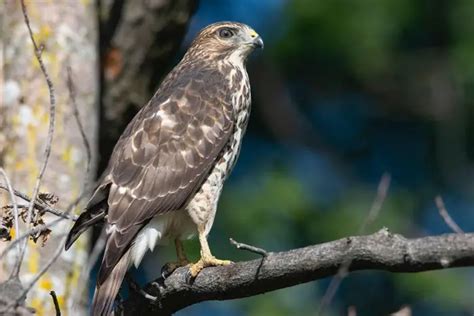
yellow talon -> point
(205, 262)
(207, 259)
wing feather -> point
(164, 157)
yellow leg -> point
(207, 259)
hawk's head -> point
(225, 40)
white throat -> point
(237, 58)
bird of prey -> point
(167, 170)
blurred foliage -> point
(344, 33)
(462, 49)
(364, 38)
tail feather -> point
(105, 293)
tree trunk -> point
(67, 32)
(137, 41)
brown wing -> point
(165, 155)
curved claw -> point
(189, 279)
(170, 267)
(138, 290)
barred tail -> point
(105, 293)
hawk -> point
(167, 170)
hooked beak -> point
(258, 42)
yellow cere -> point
(253, 33)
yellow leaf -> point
(46, 284)
(33, 260)
(43, 34)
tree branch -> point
(39, 205)
(49, 139)
(380, 251)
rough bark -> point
(67, 32)
(380, 251)
(138, 40)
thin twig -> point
(49, 140)
(100, 243)
(52, 260)
(76, 202)
(15, 205)
(64, 215)
(382, 190)
(72, 95)
(27, 234)
(250, 248)
(352, 311)
(46, 267)
(19, 206)
(446, 217)
(41, 206)
(87, 179)
(39, 275)
(56, 303)
(403, 311)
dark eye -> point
(226, 33)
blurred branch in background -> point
(382, 191)
(281, 116)
(446, 217)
